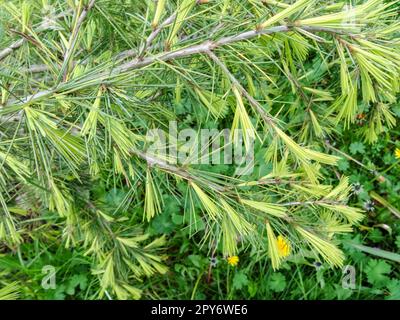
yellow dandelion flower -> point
(233, 260)
(283, 246)
(397, 153)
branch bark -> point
(7, 51)
(181, 172)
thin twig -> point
(155, 33)
(37, 68)
(7, 51)
(45, 25)
(132, 53)
(183, 173)
(276, 3)
(307, 203)
(202, 48)
(329, 146)
(74, 38)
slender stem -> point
(268, 182)
(37, 68)
(374, 172)
(196, 285)
(276, 3)
(305, 203)
(7, 51)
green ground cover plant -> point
(86, 201)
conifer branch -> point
(74, 38)
(153, 35)
(79, 148)
(253, 102)
(44, 26)
(10, 49)
(140, 63)
(181, 172)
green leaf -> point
(196, 260)
(277, 282)
(76, 280)
(394, 289)
(115, 197)
(177, 219)
(342, 293)
(357, 147)
(162, 224)
(377, 271)
(397, 242)
(252, 289)
(376, 236)
(343, 164)
(240, 280)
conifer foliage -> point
(83, 81)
